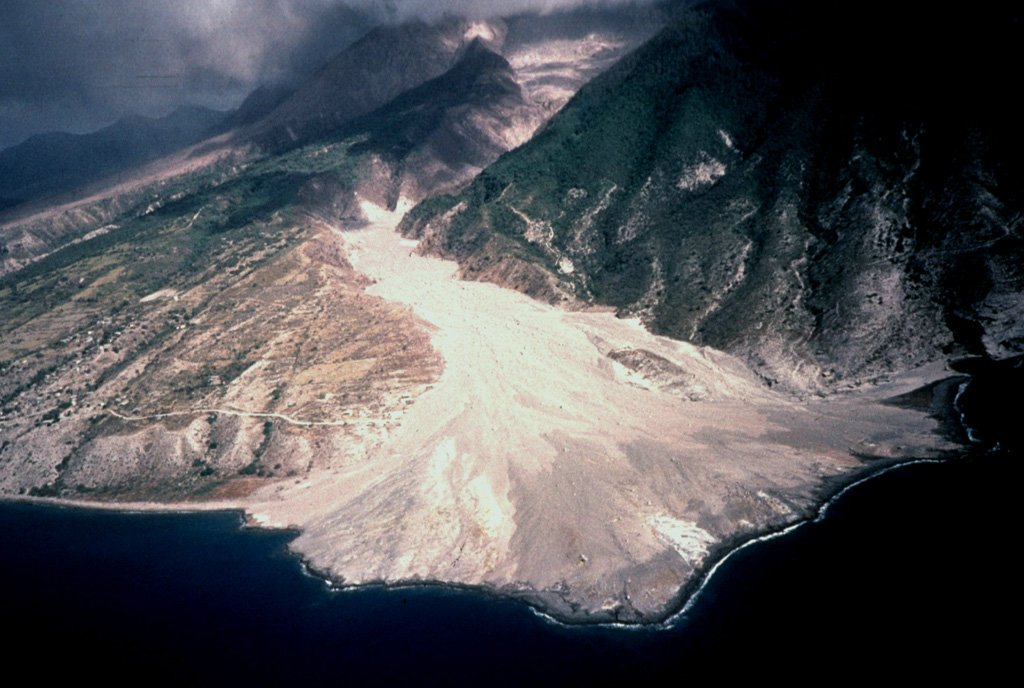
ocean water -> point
(910, 572)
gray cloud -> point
(76, 65)
(403, 10)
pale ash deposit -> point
(570, 458)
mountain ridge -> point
(730, 212)
(386, 62)
(46, 164)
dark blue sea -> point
(909, 572)
(912, 569)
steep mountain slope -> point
(48, 163)
(439, 133)
(257, 105)
(442, 133)
(434, 104)
(375, 69)
(810, 196)
(360, 79)
(554, 55)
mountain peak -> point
(386, 62)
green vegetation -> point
(602, 182)
(174, 234)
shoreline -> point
(876, 567)
(945, 393)
(674, 614)
(568, 479)
(592, 478)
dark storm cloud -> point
(80, 64)
(432, 9)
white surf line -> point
(674, 619)
(230, 412)
(818, 518)
(961, 388)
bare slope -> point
(570, 458)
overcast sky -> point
(78, 65)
